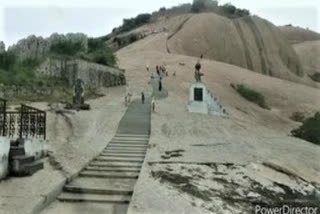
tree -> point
(198, 6)
(202, 5)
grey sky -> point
(19, 18)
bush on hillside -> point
(227, 10)
(203, 5)
(67, 48)
(130, 24)
(251, 95)
(7, 60)
(231, 11)
(20, 74)
(310, 130)
(298, 117)
(315, 77)
(100, 53)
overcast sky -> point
(20, 18)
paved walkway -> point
(106, 184)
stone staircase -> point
(106, 184)
(21, 164)
(110, 177)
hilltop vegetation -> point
(198, 6)
(227, 10)
(21, 72)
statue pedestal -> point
(201, 100)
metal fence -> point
(26, 123)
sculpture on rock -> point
(78, 92)
(78, 97)
(197, 73)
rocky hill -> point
(247, 157)
(34, 47)
(249, 42)
(297, 35)
(309, 53)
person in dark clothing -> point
(158, 70)
(198, 66)
(142, 97)
(160, 85)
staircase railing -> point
(28, 122)
(3, 107)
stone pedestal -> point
(201, 100)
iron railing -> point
(28, 122)
(3, 107)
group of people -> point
(161, 69)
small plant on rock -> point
(310, 130)
(251, 95)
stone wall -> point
(18, 91)
(4, 156)
(94, 75)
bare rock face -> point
(38, 48)
(2, 47)
(249, 42)
(31, 48)
(297, 35)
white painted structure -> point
(201, 100)
(4, 156)
(35, 147)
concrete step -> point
(16, 151)
(117, 146)
(122, 155)
(115, 164)
(97, 191)
(114, 159)
(130, 139)
(26, 169)
(128, 143)
(120, 152)
(22, 159)
(112, 149)
(109, 174)
(98, 183)
(33, 167)
(112, 169)
(132, 135)
(70, 197)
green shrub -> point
(251, 95)
(20, 73)
(130, 24)
(229, 8)
(315, 77)
(310, 130)
(203, 5)
(231, 11)
(7, 60)
(67, 48)
(100, 53)
(298, 117)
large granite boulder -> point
(31, 48)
